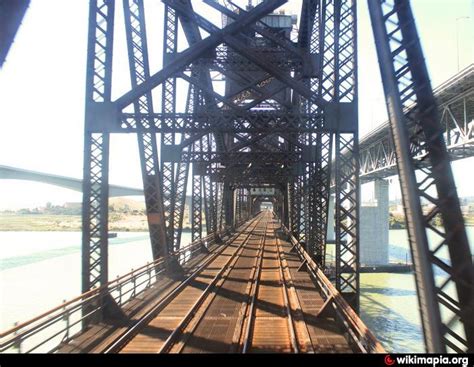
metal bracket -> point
(171, 153)
(103, 117)
(326, 310)
(311, 65)
(341, 116)
(203, 248)
(303, 266)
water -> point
(388, 302)
(38, 270)
(389, 307)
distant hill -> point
(123, 204)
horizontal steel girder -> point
(222, 121)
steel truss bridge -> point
(455, 100)
(285, 118)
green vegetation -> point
(39, 222)
(396, 221)
(124, 215)
(469, 221)
(46, 222)
(127, 215)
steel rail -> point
(86, 296)
(248, 330)
(293, 295)
(359, 333)
(289, 318)
(21, 332)
(248, 292)
(123, 339)
(186, 337)
(203, 299)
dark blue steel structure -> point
(288, 107)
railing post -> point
(17, 344)
(148, 268)
(134, 280)
(66, 318)
(120, 291)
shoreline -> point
(72, 223)
(69, 223)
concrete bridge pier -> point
(374, 227)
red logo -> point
(388, 360)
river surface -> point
(39, 270)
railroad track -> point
(241, 299)
(140, 336)
(269, 324)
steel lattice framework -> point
(455, 100)
(256, 100)
(446, 300)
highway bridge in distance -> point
(15, 173)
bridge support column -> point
(196, 207)
(139, 70)
(229, 204)
(331, 236)
(285, 209)
(374, 227)
(96, 147)
(347, 217)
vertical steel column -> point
(321, 195)
(197, 192)
(96, 146)
(208, 191)
(302, 207)
(228, 202)
(137, 46)
(326, 86)
(180, 184)
(347, 218)
(322, 25)
(312, 228)
(214, 203)
(249, 201)
(240, 203)
(237, 207)
(309, 29)
(182, 172)
(446, 302)
(286, 214)
(291, 196)
(295, 207)
(207, 207)
(346, 151)
(219, 205)
(196, 210)
(170, 47)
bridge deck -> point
(248, 297)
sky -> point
(42, 88)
